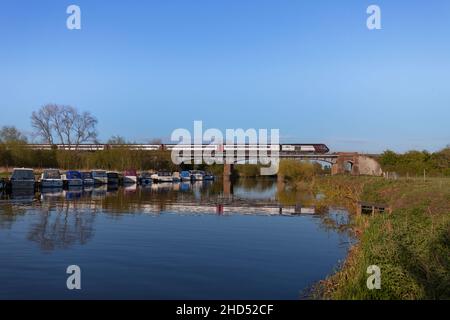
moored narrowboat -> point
(51, 178)
(130, 176)
(113, 178)
(22, 178)
(87, 178)
(100, 177)
(145, 178)
(73, 178)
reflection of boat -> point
(51, 193)
(176, 186)
(162, 176)
(185, 186)
(87, 191)
(145, 178)
(112, 187)
(99, 191)
(22, 179)
(51, 178)
(112, 190)
(100, 177)
(163, 186)
(73, 193)
(197, 186)
(208, 176)
(113, 178)
(73, 179)
(147, 186)
(87, 179)
(130, 176)
(197, 175)
(130, 188)
(23, 195)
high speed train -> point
(298, 148)
(282, 148)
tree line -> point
(18, 155)
(415, 163)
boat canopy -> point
(73, 175)
(185, 174)
(113, 174)
(146, 175)
(99, 173)
(197, 172)
(23, 174)
(51, 174)
(130, 173)
(86, 175)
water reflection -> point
(66, 217)
(59, 227)
(169, 240)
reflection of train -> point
(298, 148)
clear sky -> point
(310, 68)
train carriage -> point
(212, 148)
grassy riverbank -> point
(411, 245)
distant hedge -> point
(18, 155)
(415, 162)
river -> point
(246, 240)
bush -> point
(294, 170)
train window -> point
(307, 148)
(287, 148)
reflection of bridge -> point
(217, 204)
(230, 208)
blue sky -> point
(310, 68)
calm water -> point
(167, 242)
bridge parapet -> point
(355, 164)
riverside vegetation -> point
(411, 245)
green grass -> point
(411, 245)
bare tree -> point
(54, 122)
(84, 127)
(67, 118)
(155, 141)
(42, 122)
(117, 140)
(12, 135)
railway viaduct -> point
(341, 162)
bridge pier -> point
(280, 182)
(228, 170)
(344, 158)
(227, 188)
(227, 185)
